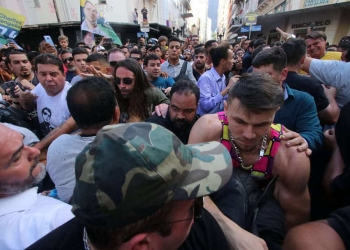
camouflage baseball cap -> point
(131, 170)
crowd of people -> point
(166, 144)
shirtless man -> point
(246, 129)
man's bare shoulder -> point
(207, 128)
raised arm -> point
(291, 190)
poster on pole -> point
(10, 25)
(94, 23)
(250, 19)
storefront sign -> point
(308, 24)
(246, 29)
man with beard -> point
(136, 97)
(198, 66)
(20, 66)
(194, 41)
(25, 216)
(68, 61)
(152, 68)
(182, 112)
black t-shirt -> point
(196, 74)
(205, 234)
(340, 222)
(309, 85)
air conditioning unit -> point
(102, 1)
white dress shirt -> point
(28, 216)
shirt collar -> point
(216, 75)
(18, 202)
(179, 63)
(287, 91)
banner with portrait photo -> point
(10, 25)
(92, 21)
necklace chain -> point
(261, 153)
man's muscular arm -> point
(65, 128)
(291, 191)
(209, 128)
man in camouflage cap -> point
(138, 186)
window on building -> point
(36, 4)
(281, 7)
(309, 3)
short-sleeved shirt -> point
(309, 85)
(52, 110)
(174, 70)
(161, 82)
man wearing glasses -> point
(194, 41)
(68, 61)
(139, 187)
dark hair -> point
(64, 51)
(234, 44)
(47, 58)
(239, 49)
(106, 239)
(174, 39)
(257, 93)
(154, 47)
(78, 51)
(200, 50)
(344, 45)
(316, 35)
(32, 54)
(150, 57)
(137, 104)
(277, 44)
(15, 52)
(46, 109)
(91, 102)
(86, 47)
(208, 43)
(97, 57)
(136, 51)
(199, 45)
(251, 44)
(195, 36)
(295, 49)
(185, 87)
(274, 56)
(258, 50)
(219, 53)
(79, 43)
(259, 42)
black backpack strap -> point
(183, 68)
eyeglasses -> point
(113, 63)
(126, 80)
(197, 211)
(65, 60)
(136, 58)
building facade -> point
(57, 17)
(292, 16)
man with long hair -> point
(136, 96)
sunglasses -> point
(136, 58)
(126, 80)
(65, 60)
(113, 63)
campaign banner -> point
(10, 25)
(93, 22)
